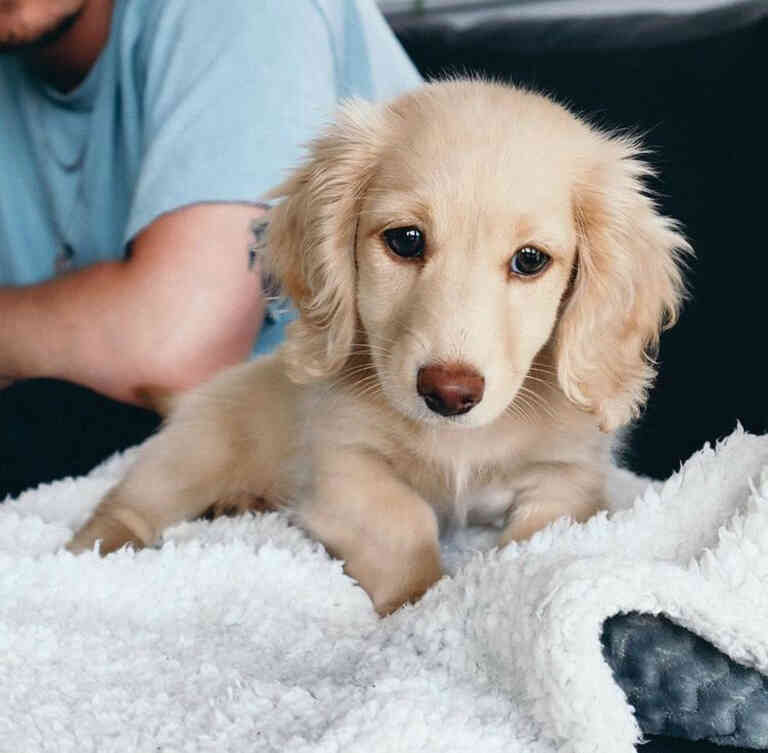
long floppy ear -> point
(311, 240)
(628, 286)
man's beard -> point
(57, 29)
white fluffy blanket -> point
(243, 635)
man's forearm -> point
(75, 328)
(95, 327)
(187, 303)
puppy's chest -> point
(461, 492)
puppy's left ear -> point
(312, 236)
(628, 286)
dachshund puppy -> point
(481, 280)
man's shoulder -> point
(155, 32)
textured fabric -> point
(243, 635)
(682, 686)
(189, 102)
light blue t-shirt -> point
(190, 101)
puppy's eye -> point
(407, 242)
(528, 261)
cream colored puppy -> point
(480, 277)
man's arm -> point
(186, 303)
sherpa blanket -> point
(243, 635)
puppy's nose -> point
(450, 389)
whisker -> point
(542, 369)
(517, 412)
(544, 382)
(536, 401)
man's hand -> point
(186, 303)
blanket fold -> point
(243, 635)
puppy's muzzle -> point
(450, 389)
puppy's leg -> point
(225, 441)
(385, 532)
(165, 486)
(548, 491)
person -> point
(137, 139)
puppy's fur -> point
(333, 428)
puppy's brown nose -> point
(450, 389)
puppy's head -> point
(456, 232)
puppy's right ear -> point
(311, 240)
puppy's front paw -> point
(530, 517)
(406, 581)
(110, 532)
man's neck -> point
(64, 62)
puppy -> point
(480, 278)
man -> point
(135, 138)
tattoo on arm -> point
(256, 248)
(259, 242)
